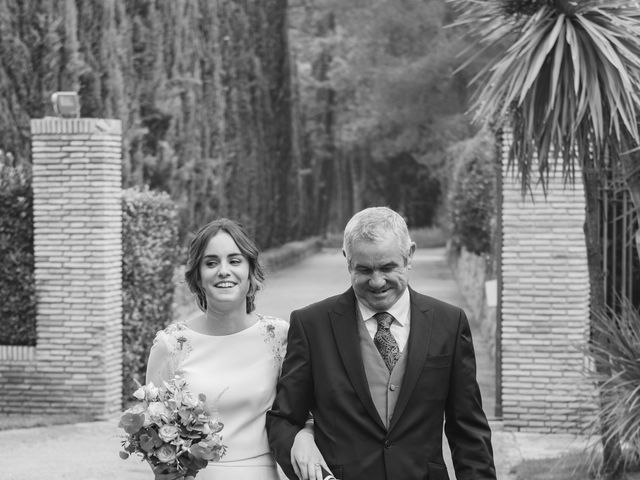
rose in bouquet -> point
(172, 429)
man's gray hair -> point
(373, 224)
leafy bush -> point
(150, 249)
(17, 290)
(615, 351)
(472, 198)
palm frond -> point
(566, 80)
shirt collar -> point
(399, 310)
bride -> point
(231, 354)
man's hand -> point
(306, 459)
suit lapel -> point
(418, 345)
(345, 330)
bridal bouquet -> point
(172, 429)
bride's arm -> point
(160, 369)
(306, 458)
(159, 366)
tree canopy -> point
(203, 90)
(286, 117)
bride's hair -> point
(247, 247)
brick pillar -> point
(78, 260)
(544, 306)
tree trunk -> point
(591, 175)
(323, 124)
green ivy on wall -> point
(17, 289)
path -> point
(89, 451)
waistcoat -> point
(384, 386)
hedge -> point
(17, 282)
(150, 250)
(472, 198)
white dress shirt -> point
(401, 311)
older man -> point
(381, 367)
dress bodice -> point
(237, 373)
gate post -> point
(77, 212)
(544, 306)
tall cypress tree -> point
(203, 90)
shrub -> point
(17, 290)
(615, 350)
(150, 249)
(472, 198)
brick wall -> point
(76, 365)
(544, 307)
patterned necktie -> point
(384, 341)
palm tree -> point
(565, 77)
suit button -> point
(387, 444)
(392, 387)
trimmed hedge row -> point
(150, 252)
(472, 197)
(17, 282)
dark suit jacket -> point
(323, 374)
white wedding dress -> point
(238, 375)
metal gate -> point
(620, 255)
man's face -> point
(379, 272)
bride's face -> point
(224, 272)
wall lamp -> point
(66, 104)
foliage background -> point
(17, 289)
(472, 194)
(203, 90)
(150, 249)
(381, 101)
(286, 117)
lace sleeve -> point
(281, 328)
(167, 353)
(275, 335)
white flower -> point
(189, 399)
(166, 453)
(139, 393)
(151, 391)
(179, 382)
(168, 432)
(157, 411)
